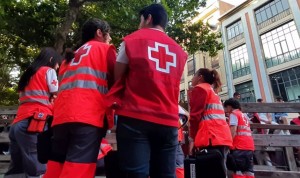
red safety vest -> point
(62, 70)
(156, 63)
(83, 86)
(296, 120)
(213, 129)
(243, 139)
(35, 97)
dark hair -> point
(235, 104)
(211, 76)
(236, 94)
(158, 13)
(259, 100)
(278, 98)
(43, 59)
(88, 31)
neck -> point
(158, 28)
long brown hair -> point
(212, 77)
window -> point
(182, 95)
(287, 84)
(235, 30)
(281, 44)
(270, 10)
(247, 92)
(240, 61)
(191, 66)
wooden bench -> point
(273, 142)
(9, 113)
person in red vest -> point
(150, 65)
(243, 145)
(208, 127)
(36, 87)
(79, 109)
(296, 121)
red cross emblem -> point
(162, 56)
(54, 82)
(80, 53)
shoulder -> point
(98, 44)
(45, 69)
(200, 88)
(134, 35)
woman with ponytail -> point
(37, 87)
(208, 128)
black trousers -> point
(76, 142)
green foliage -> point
(28, 25)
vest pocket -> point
(38, 122)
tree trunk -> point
(64, 29)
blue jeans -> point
(23, 152)
(146, 148)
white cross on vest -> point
(162, 56)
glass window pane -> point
(278, 49)
(269, 13)
(296, 39)
(272, 49)
(266, 51)
(285, 5)
(284, 47)
(263, 16)
(274, 10)
(241, 28)
(236, 29)
(279, 7)
(290, 42)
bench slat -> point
(271, 107)
(276, 174)
(277, 140)
(279, 127)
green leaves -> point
(28, 25)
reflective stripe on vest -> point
(36, 100)
(34, 93)
(85, 84)
(214, 116)
(85, 70)
(243, 127)
(243, 134)
(30, 99)
(214, 106)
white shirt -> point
(233, 120)
(52, 82)
(263, 117)
(122, 56)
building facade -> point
(262, 49)
(210, 14)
